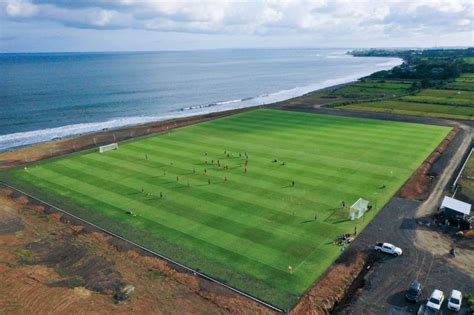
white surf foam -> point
(21, 139)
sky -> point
(151, 25)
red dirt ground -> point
(47, 266)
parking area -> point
(385, 284)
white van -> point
(455, 300)
(436, 300)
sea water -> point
(44, 96)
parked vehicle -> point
(455, 300)
(436, 300)
(424, 310)
(414, 291)
(388, 248)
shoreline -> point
(76, 143)
(45, 135)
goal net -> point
(108, 147)
(358, 209)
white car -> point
(388, 248)
(436, 300)
(455, 300)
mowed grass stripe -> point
(224, 256)
(264, 255)
(327, 137)
(339, 147)
(264, 158)
(262, 148)
(281, 222)
(325, 124)
(222, 194)
(307, 183)
(249, 230)
(260, 178)
(268, 238)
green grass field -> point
(455, 100)
(242, 224)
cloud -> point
(20, 9)
(321, 21)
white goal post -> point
(358, 209)
(108, 147)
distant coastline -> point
(15, 140)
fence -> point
(195, 272)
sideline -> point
(196, 273)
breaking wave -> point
(26, 138)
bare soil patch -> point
(439, 245)
(333, 286)
(48, 266)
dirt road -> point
(438, 192)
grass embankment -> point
(466, 182)
(241, 220)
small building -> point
(455, 209)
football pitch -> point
(254, 200)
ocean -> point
(44, 96)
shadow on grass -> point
(338, 215)
(134, 193)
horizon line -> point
(229, 48)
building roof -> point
(456, 205)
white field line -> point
(270, 306)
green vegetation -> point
(373, 89)
(470, 302)
(464, 82)
(359, 91)
(466, 182)
(424, 54)
(438, 88)
(456, 100)
(432, 66)
(254, 199)
(155, 274)
(432, 83)
(411, 108)
(25, 256)
(469, 60)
